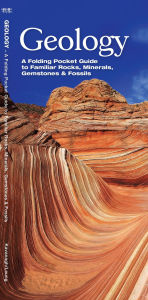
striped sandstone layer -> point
(69, 235)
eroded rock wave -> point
(69, 236)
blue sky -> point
(98, 18)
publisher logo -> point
(6, 10)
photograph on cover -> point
(73, 150)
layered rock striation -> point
(70, 237)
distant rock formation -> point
(91, 105)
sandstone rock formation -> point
(32, 112)
(97, 125)
(21, 129)
(77, 198)
(92, 105)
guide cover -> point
(73, 150)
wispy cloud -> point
(141, 35)
(139, 90)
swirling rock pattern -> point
(77, 218)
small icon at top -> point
(6, 10)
